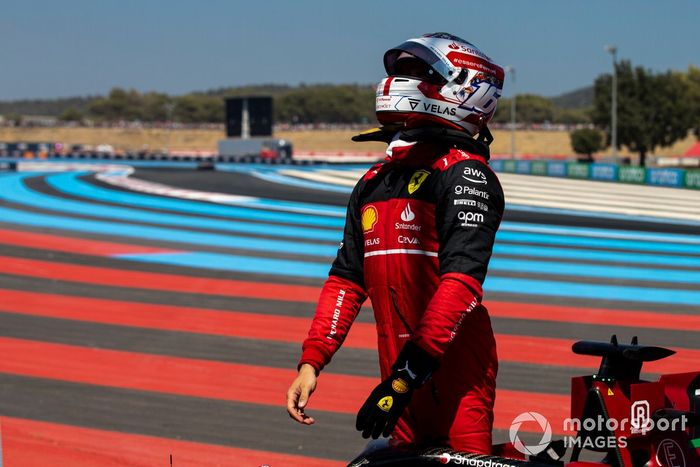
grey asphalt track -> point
(263, 427)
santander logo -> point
(407, 215)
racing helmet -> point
(438, 80)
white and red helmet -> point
(439, 80)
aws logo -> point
(370, 216)
(417, 180)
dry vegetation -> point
(530, 142)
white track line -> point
(316, 177)
(569, 194)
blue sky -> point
(79, 47)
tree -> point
(71, 115)
(119, 105)
(586, 141)
(155, 107)
(652, 111)
(531, 108)
(572, 116)
(692, 78)
(325, 103)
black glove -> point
(384, 406)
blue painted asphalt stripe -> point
(68, 183)
(588, 242)
(234, 263)
(292, 181)
(601, 215)
(600, 232)
(607, 271)
(595, 292)
(501, 248)
(245, 168)
(267, 204)
(306, 208)
(229, 241)
(14, 216)
(504, 235)
(493, 282)
(123, 162)
(507, 236)
(14, 190)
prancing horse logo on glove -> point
(385, 403)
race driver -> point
(418, 237)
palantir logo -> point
(531, 449)
(640, 418)
(407, 215)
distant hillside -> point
(56, 107)
(50, 107)
(256, 90)
(575, 99)
(305, 103)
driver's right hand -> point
(299, 393)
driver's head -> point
(439, 80)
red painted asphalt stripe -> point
(557, 352)
(34, 443)
(637, 319)
(210, 286)
(224, 381)
(164, 317)
(155, 281)
(74, 245)
(519, 349)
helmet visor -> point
(436, 71)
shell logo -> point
(399, 386)
(369, 218)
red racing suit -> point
(418, 238)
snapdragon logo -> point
(530, 449)
(472, 460)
